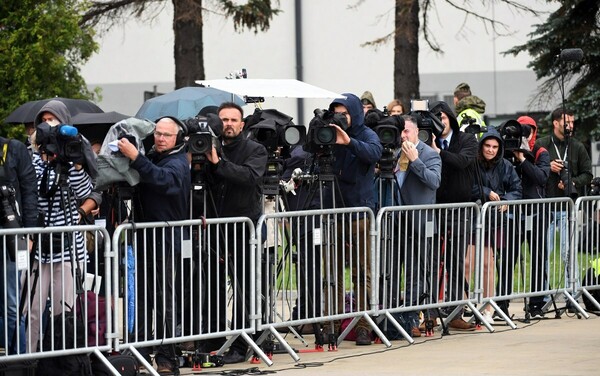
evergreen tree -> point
(575, 24)
(42, 47)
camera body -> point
(274, 130)
(512, 133)
(10, 218)
(62, 141)
(321, 136)
(203, 134)
(595, 186)
(427, 122)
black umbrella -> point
(26, 112)
(94, 126)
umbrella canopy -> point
(26, 112)
(94, 126)
(185, 103)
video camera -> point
(62, 141)
(203, 133)
(321, 136)
(512, 133)
(274, 129)
(428, 123)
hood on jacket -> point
(368, 97)
(355, 109)
(472, 101)
(492, 133)
(442, 106)
(56, 108)
(526, 120)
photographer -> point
(234, 177)
(58, 207)
(356, 152)
(164, 191)
(16, 173)
(496, 180)
(532, 163)
(563, 162)
(458, 151)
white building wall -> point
(139, 55)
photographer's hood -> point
(442, 106)
(355, 110)
(493, 133)
(56, 108)
(114, 167)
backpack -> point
(66, 365)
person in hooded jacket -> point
(532, 163)
(458, 151)
(357, 150)
(163, 195)
(58, 207)
(496, 180)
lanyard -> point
(564, 158)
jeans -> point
(9, 290)
(561, 222)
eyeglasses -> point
(165, 135)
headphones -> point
(182, 129)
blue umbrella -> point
(185, 103)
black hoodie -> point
(458, 161)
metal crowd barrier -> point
(526, 250)
(184, 281)
(316, 270)
(47, 322)
(587, 242)
(422, 260)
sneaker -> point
(460, 324)
(487, 316)
(536, 312)
(363, 337)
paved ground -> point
(549, 346)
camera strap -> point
(564, 157)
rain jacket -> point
(354, 164)
(498, 175)
(235, 181)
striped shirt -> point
(79, 187)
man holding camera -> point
(234, 177)
(163, 195)
(563, 161)
(458, 151)
(356, 152)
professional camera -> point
(321, 136)
(9, 217)
(428, 123)
(595, 186)
(203, 133)
(470, 125)
(62, 141)
(274, 130)
(512, 133)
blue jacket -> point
(354, 164)
(164, 188)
